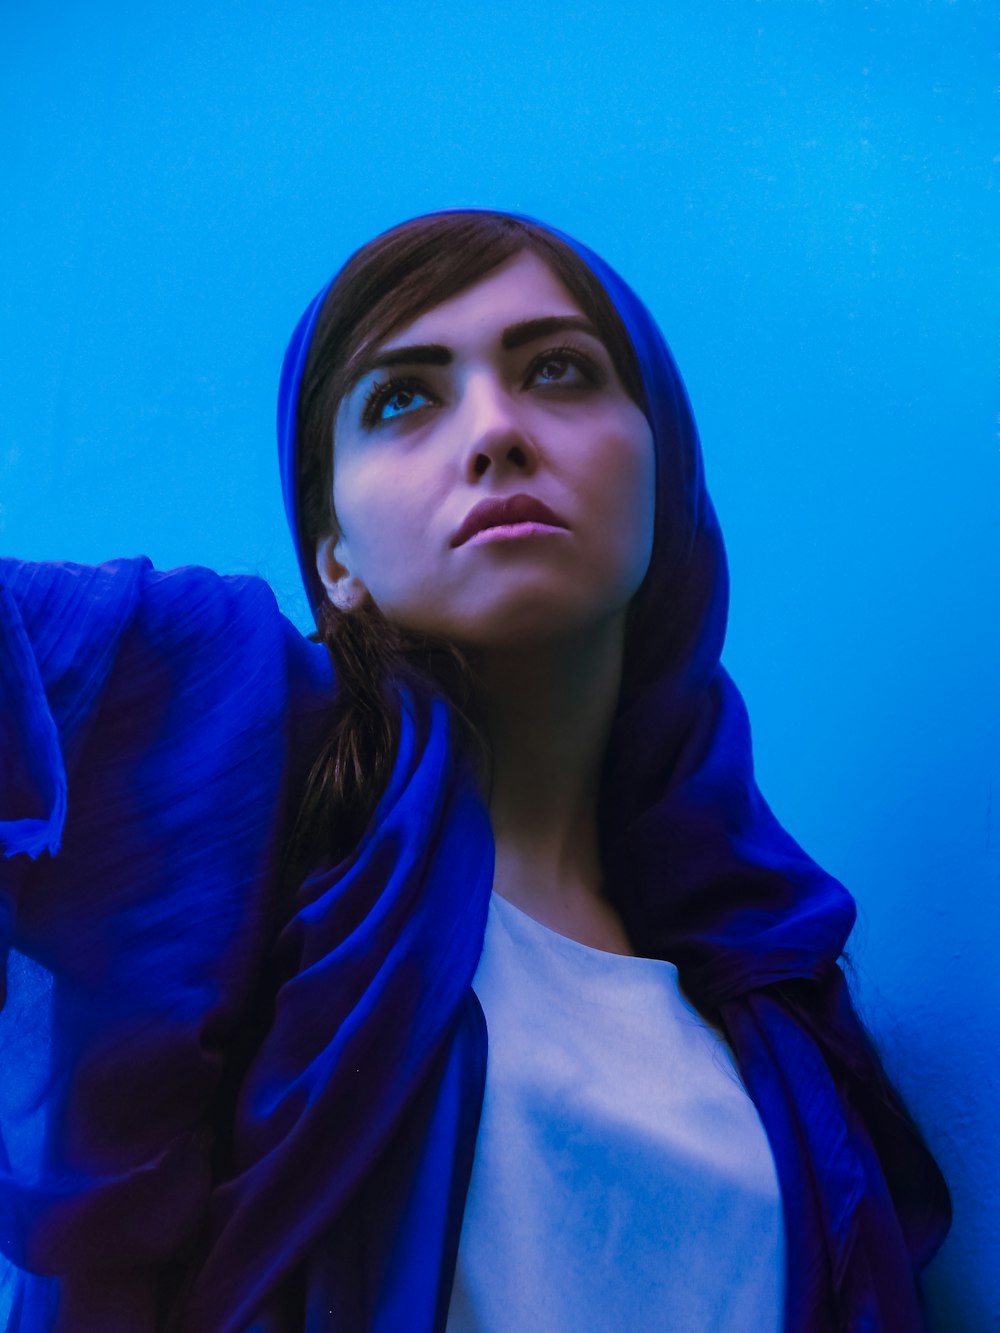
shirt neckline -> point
(517, 919)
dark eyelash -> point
(383, 389)
(567, 351)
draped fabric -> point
(183, 1181)
(154, 727)
(255, 1104)
(704, 876)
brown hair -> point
(384, 285)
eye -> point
(567, 356)
(382, 395)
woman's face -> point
(492, 411)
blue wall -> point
(804, 194)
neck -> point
(549, 710)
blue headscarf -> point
(358, 1116)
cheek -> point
(360, 503)
(637, 498)
(621, 502)
(385, 530)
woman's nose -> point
(496, 433)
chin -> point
(530, 618)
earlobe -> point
(343, 588)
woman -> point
(449, 970)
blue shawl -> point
(262, 1112)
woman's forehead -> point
(522, 287)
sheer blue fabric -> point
(244, 1104)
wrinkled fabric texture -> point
(189, 995)
(257, 1108)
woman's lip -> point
(508, 531)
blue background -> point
(802, 192)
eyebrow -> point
(437, 354)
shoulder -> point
(91, 602)
(195, 603)
(56, 600)
(180, 627)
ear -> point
(343, 588)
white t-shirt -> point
(622, 1177)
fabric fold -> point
(379, 957)
(76, 616)
(184, 710)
